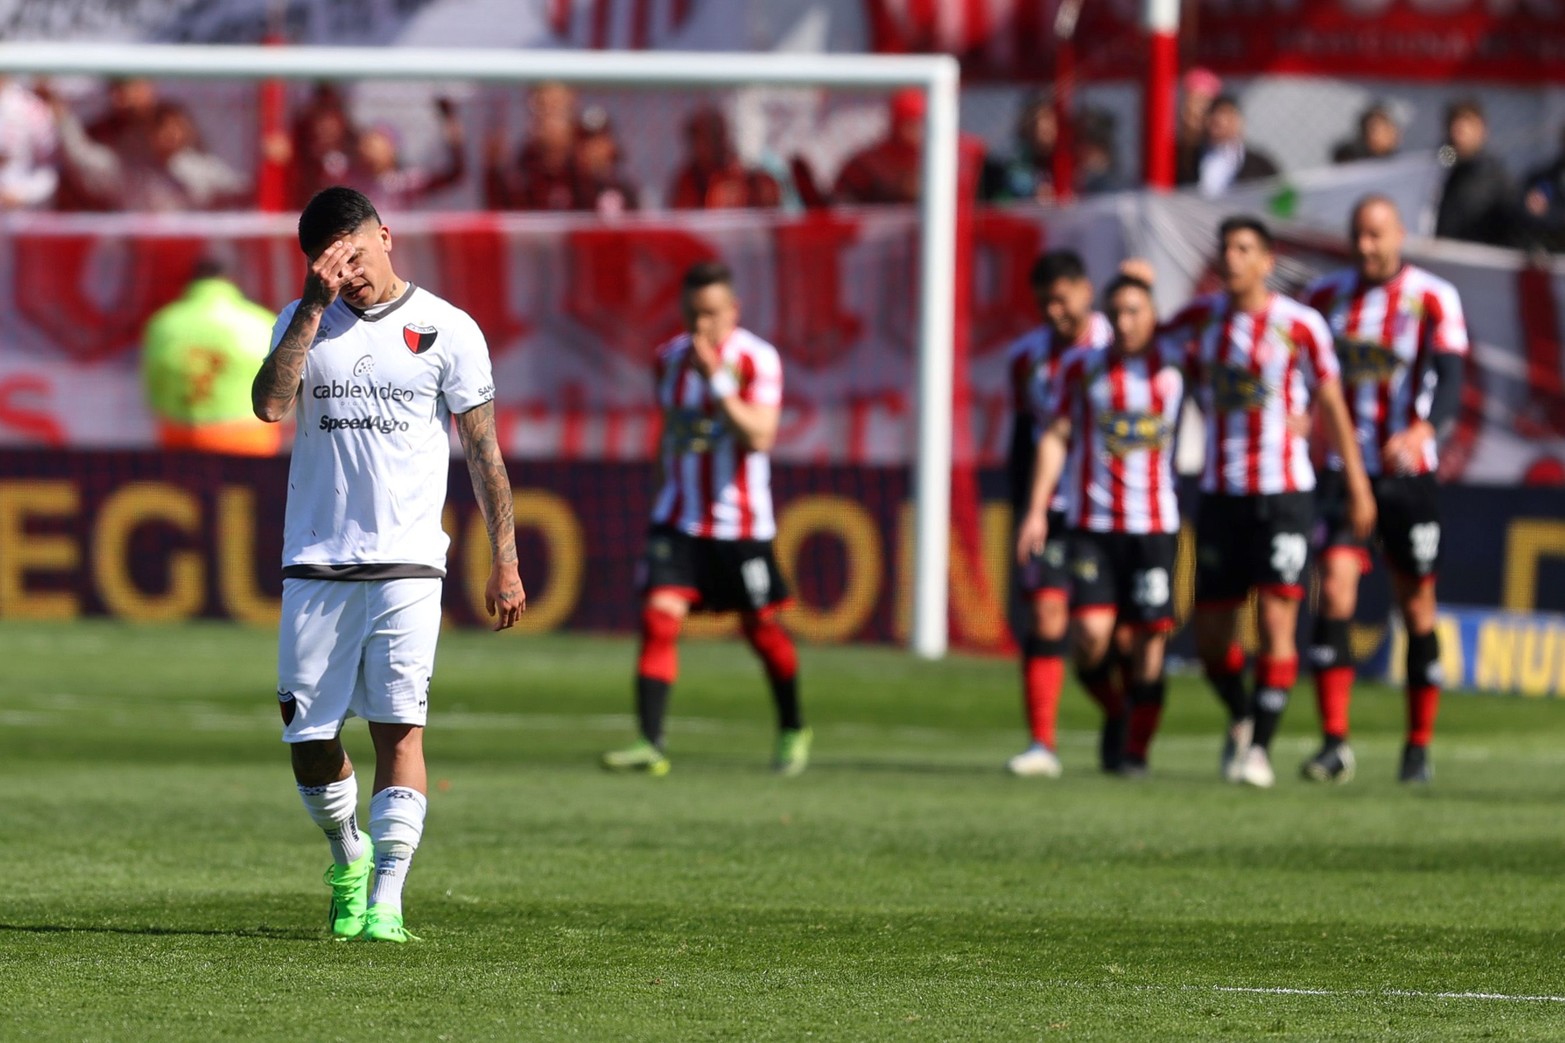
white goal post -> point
(936, 75)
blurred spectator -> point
(1379, 137)
(543, 177)
(1198, 88)
(599, 185)
(1225, 158)
(1478, 203)
(713, 177)
(377, 169)
(889, 170)
(1028, 173)
(124, 126)
(199, 355)
(176, 173)
(27, 175)
(320, 144)
(1544, 199)
(1097, 159)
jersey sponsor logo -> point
(1126, 432)
(1364, 361)
(692, 432)
(364, 367)
(1236, 389)
(374, 392)
(379, 424)
(418, 338)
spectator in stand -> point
(27, 140)
(199, 355)
(600, 186)
(1226, 159)
(377, 169)
(713, 177)
(1544, 200)
(125, 127)
(1379, 137)
(1097, 160)
(888, 171)
(1197, 90)
(176, 174)
(1478, 203)
(1028, 173)
(543, 176)
(320, 146)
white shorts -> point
(355, 649)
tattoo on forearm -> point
(491, 485)
(278, 380)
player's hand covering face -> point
(711, 316)
(356, 266)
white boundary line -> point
(1411, 994)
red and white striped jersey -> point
(1033, 359)
(1124, 411)
(1387, 335)
(1250, 373)
(712, 487)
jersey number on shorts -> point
(1289, 551)
(1149, 589)
(757, 581)
(1425, 538)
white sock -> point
(397, 825)
(334, 807)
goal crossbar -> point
(936, 75)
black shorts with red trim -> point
(1130, 574)
(716, 575)
(1048, 574)
(1407, 525)
(1244, 542)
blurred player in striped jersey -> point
(1113, 413)
(1401, 340)
(1256, 360)
(719, 387)
(1064, 295)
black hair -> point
(333, 212)
(1055, 265)
(1244, 223)
(707, 273)
(1125, 282)
(1225, 101)
(1469, 106)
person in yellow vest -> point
(199, 355)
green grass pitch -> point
(159, 880)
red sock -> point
(1333, 691)
(772, 644)
(659, 645)
(1423, 703)
(1042, 678)
(1144, 718)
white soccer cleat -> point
(1036, 761)
(1235, 746)
(1256, 769)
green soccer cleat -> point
(641, 756)
(383, 925)
(793, 751)
(350, 887)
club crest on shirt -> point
(1365, 361)
(1236, 389)
(691, 431)
(419, 339)
(1125, 432)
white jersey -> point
(711, 487)
(368, 477)
(1387, 335)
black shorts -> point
(1048, 574)
(1244, 542)
(1407, 525)
(716, 575)
(1129, 573)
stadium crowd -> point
(128, 147)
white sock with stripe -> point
(396, 825)
(334, 807)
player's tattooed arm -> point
(504, 596)
(277, 384)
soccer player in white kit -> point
(375, 367)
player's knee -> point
(318, 763)
(1423, 660)
(1329, 644)
(1050, 617)
(669, 603)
